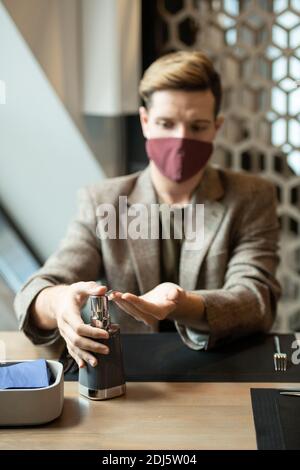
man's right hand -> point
(60, 306)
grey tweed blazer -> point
(234, 271)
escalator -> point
(17, 263)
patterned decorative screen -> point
(255, 45)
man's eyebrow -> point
(165, 118)
(201, 120)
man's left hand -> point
(156, 304)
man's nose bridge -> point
(182, 130)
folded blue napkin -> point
(32, 374)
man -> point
(222, 290)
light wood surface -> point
(15, 345)
(152, 415)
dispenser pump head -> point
(100, 311)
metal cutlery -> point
(280, 358)
(291, 393)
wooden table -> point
(152, 415)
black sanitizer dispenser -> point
(107, 379)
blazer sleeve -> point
(247, 302)
(78, 258)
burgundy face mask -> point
(178, 158)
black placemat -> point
(276, 419)
(164, 357)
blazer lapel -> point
(145, 253)
(208, 193)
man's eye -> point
(166, 125)
(198, 129)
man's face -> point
(177, 113)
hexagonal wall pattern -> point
(255, 45)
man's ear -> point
(144, 120)
(219, 121)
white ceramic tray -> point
(32, 406)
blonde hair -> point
(182, 70)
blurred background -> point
(69, 74)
